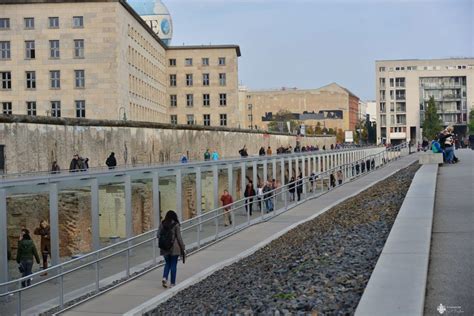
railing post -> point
(97, 273)
(61, 287)
(248, 213)
(216, 220)
(128, 259)
(155, 248)
(3, 238)
(18, 306)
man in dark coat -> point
(44, 231)
(111, 162)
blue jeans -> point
(27, 267)
(171, 262)
(449, 153)
(269, 204)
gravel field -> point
(320, 268)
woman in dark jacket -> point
(170, 232)
(291, 188)
(44, 231)
(249, 194)
(299, 186)
(24, 256)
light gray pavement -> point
(451, 266)
(148, 286)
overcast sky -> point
(310, 43)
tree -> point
(331, 131)
(309, 130)
(432, 123)
(340, 136)
(318, 130)
(360, 133)
(471, 122)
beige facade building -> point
(98, 59)
(203, 85)
(333, 106)
(403, 88)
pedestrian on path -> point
(24, 256)
(226, 200)
(215, 155)
(243, 152)
(249, 194)
(260, 196)
(74, 164)
(269, 151)
(292, 188)
(111, 162)
(55, 168)
(171, 246)
(339, 176)
(207, 155)
(261, 152)
(299, 186)
(44, 231)
(268, 196)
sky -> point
(311, 43)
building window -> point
(205, 61)
(54, 49)
(382, 106)
(173, 100)
(221, 61)
(205, 79)
(222, 79)
(189, 80)
(189, 100)
(391, 82)
(172, 62)
(53, 22)
(80, 78)
(5, 80)
(223, 119)
(30, 80)
(31, 108)
(172, 80)
(56, 108)
(382, 83)
(78, 48)
(188, 62)
(4, 23)
(174, 119)
(382, 95)
(4, 50)
(80, 108)
(400, 94)
(222, 99)
(30, 49)
(190, 119)
(391, 95)
(206, 99)
(207, 119)
(77, 21)
(7, 108)
(381, 69)
(400, 82)
(29, 23)
(55, 79)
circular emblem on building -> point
(165, 26)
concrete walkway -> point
(451, 267)
(137, 292)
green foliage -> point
(432, 123)
(340, 136)
(279, 122)
(285, 296)
(471, 122)
(318, 130)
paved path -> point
(140, 290)
(451, 267)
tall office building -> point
(404, 87)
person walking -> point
(55, 168)
(299, 186)
(215, 155)
(207, 155)
(43, 230)
(291, 188)
(339, 176)
(259, 196)
(268, 196)
(269, 151)
(261, 152)
(184, 159)
(332, 180)
(171, 247)
(24, 256)
(226, 200)
(74, 164)
(111, 162)
(249, 194)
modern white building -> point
(403, 88)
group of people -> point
(286, 150)
(211, 156)
(444, 143)
(79, 163)
(27, 251)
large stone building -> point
(403, 88)
(332, 106)
(99, 59)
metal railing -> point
(79, 279)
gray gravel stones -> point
(321, 267)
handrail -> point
(139, 167)
(210, 216)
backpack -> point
(435, 147)
(165, 238)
